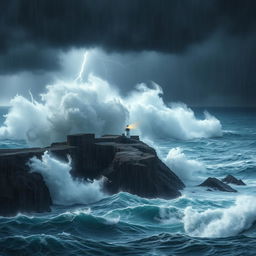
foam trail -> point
(95, 106)
(183, 167)
(63, 188)
(221, 222)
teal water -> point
(198, 223)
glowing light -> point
(132, 126)
(80, 75)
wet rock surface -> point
(136, 169)
(216, 184)
(127, 164)
(21, 190)
(232, 180)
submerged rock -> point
(231, 179)
(216, 184)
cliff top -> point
(72, 141)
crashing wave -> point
(95, 106)
(63, 188)
(183, 167)
(221, 222)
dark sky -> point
(202, 52)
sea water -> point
(200, 222)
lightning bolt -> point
(80, 75)
(31, 96)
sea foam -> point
(186, 169)
(221, 222)
(95, 106)
(63, 188)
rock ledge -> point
(127, 164)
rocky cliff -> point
(126, 163)
(21, 190)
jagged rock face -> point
(128, 164)
(137, 169)
(231, 179)
(20, 190)
(216, 184)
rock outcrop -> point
(136, 169)
(232, 180)
(216, 184)
(126, 163)
(20, 190)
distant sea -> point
(198, 223)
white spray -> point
(96, 106)
(183, 167)
(221, 222)
(63, 188)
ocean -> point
(200, 222)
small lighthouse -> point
(127, 131)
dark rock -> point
(217, 185)
(137, 169)
(20, 190)
(231, 179)
(127, 165)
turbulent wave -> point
(198, 223)
(186, 169)
(95, 106)
(65, 108)
(168, 121)
(108, 228)
(63, 188)
(221, 222)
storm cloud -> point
(145, 25)
(201, 52)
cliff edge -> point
(127, 164)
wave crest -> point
(63, 188)
(95, 106)
(183, 167)
(221, 222)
